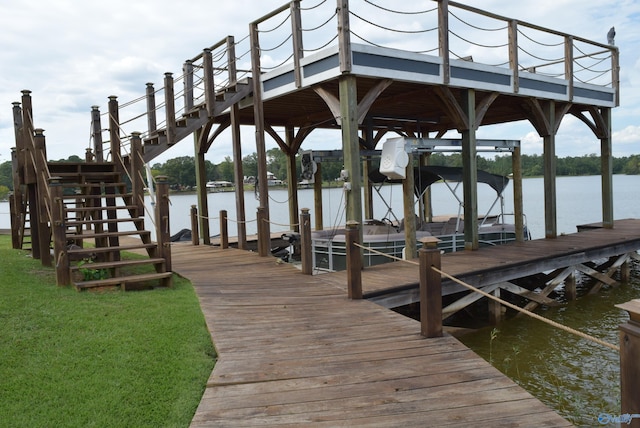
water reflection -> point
(577, 378)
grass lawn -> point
(97, 359)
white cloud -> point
(74, 54)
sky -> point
(73, 54)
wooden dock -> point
(396, 284)
(294, 351)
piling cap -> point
(429, 242)
(633, 307)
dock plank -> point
(294, 350)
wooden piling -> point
(305, 242)
(224, 230)
(195, 236)
(629, 358)
(354, 260)
(262, 245)
(430, 288)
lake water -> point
(578, 379)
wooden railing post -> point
(209, 85)
(630, 361)
(58, 232)
(15, 223)
(187, 70)
(224, 230)
(306, 257)
(443, 37)
(170, 108)
(136, 169)
(195, 233)
(152, 122)
(354, 260)
(162, 220)
(430, 288)
(42, 175)
(114, 133)
(96, 133)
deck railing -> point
(450, 30)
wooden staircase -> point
(100, 220)
(194, 119)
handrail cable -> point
(392, 29)
(476, 27)
(399, 11)
(502, 302)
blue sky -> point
(73, 54)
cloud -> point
(74, 54)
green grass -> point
(97, 359)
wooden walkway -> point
(396, 284)
(294, 351)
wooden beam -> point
(351, 148)
(470, 177)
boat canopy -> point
(425, 176)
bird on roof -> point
(611, 35)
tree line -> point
(181, 171)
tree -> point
(250, 165)
(4, 192)
(6, 174)
(181, 171)
(225, 169)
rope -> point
(281, 224)
(398, 11)
(505, 303)
(477, 28)
(391, 29)
(529, 313)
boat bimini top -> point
(425, 176)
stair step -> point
(102, 208)
(107, 234)
(71, 223)
(101, 196)
(123, 281)
(94, 185)
(93, 250)
(118, 264)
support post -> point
(518, 210)
(195, 237)
(238, 172)
(430, 288)
(351, 147)
(96, 131)
(201, 185)
(495, 308)
(549, 159)
(629, 358)
(162, 220)
(258, 115)
(262, 238)
(470, 167)
(305, 242)
(15, 226)
(606, 162)
(354, 260)
(58, 232)
(409, 209)
(317, 197)
(570, 290)
(224, 231)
